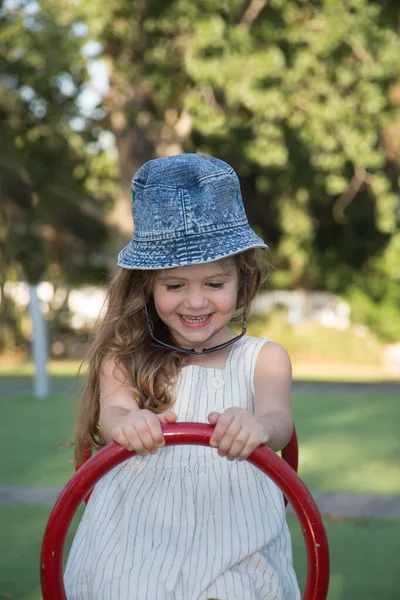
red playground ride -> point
(278, 469)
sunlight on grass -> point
(55, 367)
(349, 442)
(347, 474)
(343, 373)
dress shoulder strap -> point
(244, 358)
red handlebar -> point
(184, 433)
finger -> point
(237, 447)
(120, 438)
(248, 449)
(135, 441)
(234, 433)
(221, 427)
(213, 417)
(150, 434)
(168, 417)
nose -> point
(196, 299)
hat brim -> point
(189, 250)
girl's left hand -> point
(237, 433)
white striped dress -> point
(184, 523)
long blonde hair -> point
(149, 370)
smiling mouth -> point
(189, 320)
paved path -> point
(332, 504)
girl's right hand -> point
(140, 430)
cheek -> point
(164, 304)
(158, 301)
(227, 301)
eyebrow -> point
(213, 276)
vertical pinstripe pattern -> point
(185, 524)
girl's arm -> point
(122, 420)
(116, 399)
(272, 403)
(237, 431)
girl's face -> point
(197, 302)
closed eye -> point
(214, 285)
(174, 286)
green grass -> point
(311, 369)
(363, 557)
(20, 544)
(31, 436)
(343, 374)
(310, 343)
(348, 442)
(25, 369)
(364, 563)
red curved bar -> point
(90, 472)
(290, 454)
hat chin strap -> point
(205, 350)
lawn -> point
(364, 557)
(348, 442)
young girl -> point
(184, 522)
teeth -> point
(195, 319)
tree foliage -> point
(296, 94)
(53, 197)
(296, 100)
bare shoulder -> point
(111, 368)
(272, 380)
(114, 385)
(273, 358)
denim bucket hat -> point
(187, 209)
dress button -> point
(217, 383)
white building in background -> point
(84, 304)
(322, 307)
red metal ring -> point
(290, 453)
(97, 466)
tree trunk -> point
(41, 387)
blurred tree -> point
(55, 184)
(56, 181)
(294, 94)
(144, 45)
